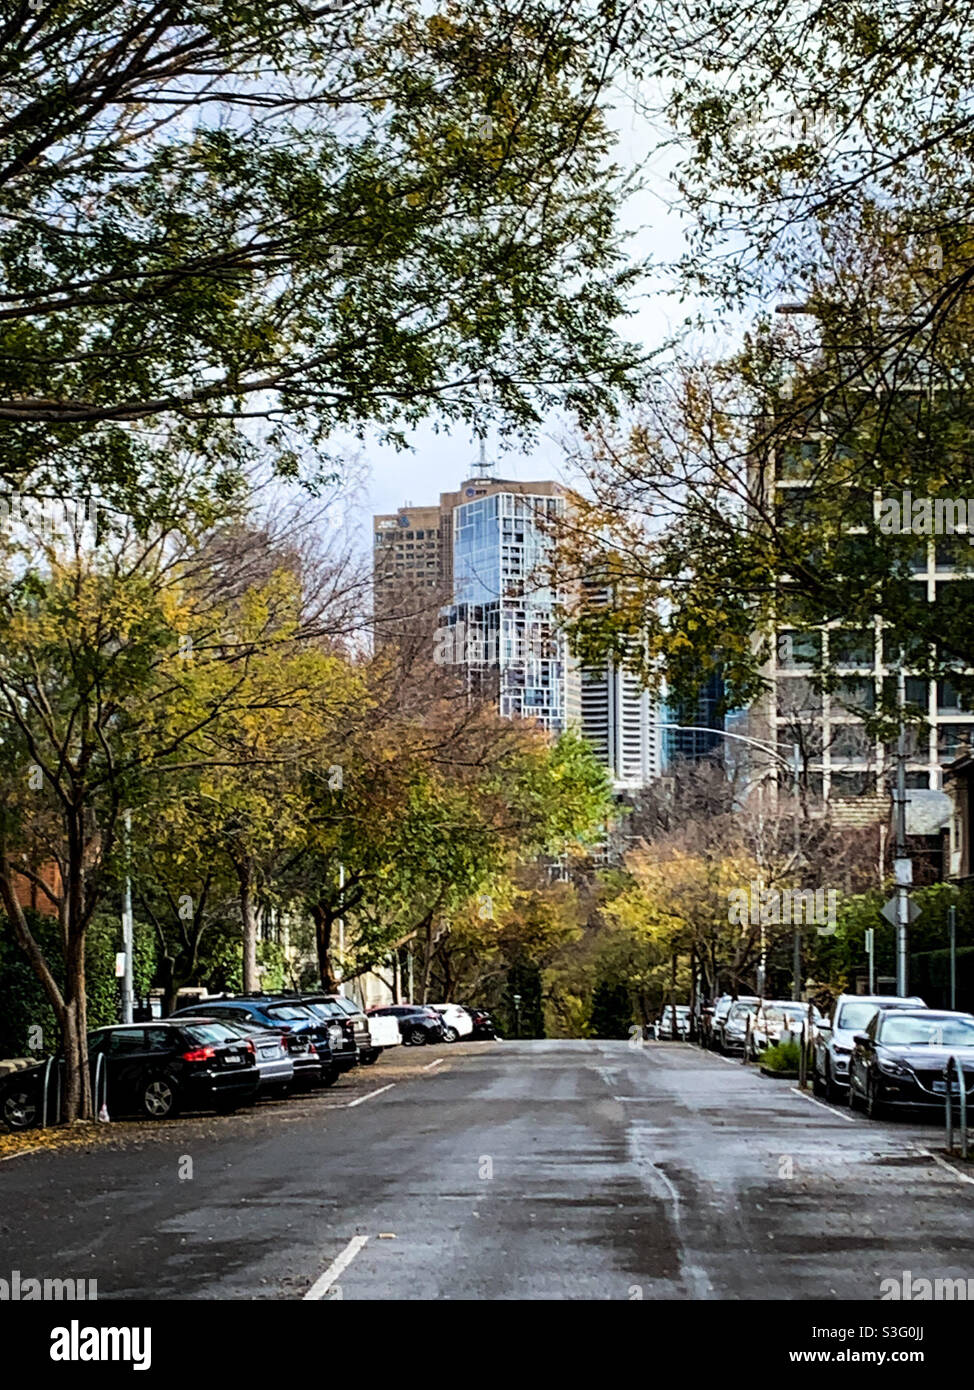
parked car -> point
(731, 1030)
(418, 1023)
(328, 1038)
(154, 1070)
(483, 1023)
(898, 1060)
(274, 1062)
(457, 1023)
(772, 1018)
(833, 1041)
(383, 1033)
(718, 1019)
(353, 1023)
(665, 1026)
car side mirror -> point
(862, 1038)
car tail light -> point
(202, 1054)
(250, 1047)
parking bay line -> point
(361, 1100)
(22, 1154)
(964, 1177)
(341, 1262)
(430, 1065)
(849, 1119)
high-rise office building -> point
(621, 720)
(482, 550)
(843, 763)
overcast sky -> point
(438, 462)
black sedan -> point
(899, 1061)
(483, 1024)
(329, 1057)
(154, 1070)
(417, 1023)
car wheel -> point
(20, 1110)
(832, 1091)
(451, 1035)
(369, 1059)
(415, 1037)
(819, 1087)
(158, 1100)
(854, 1102)
(875, 1108)
(329, 1076)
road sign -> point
(889, 911)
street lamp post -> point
(517, 1014)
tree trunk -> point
(248, 923)
(427, 957)
(324, 919)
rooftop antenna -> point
(482, 466)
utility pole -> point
(871, 957)
(796, 990)
(902, 891)
(341, 930)
(128, 933)
(952, 930)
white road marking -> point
(430, 1065)
(324, 1281)
(964, 1177)
(849, 1119)
(35, 1150)
(693, 1276)
(369, 1096)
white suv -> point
(457, 1023)
(833, 1042)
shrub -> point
(782, 1057)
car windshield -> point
(347, 1006)
(290, 1011)
(928, 1032)
(324, 1009)
(855, 1017)
(211, 1032)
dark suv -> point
(293, 1019)
(334, 1009)
(154, 1069)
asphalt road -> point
(537, 1170)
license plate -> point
(231, 1057)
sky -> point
(438, 462)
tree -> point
(120, 671)
(705, 558)
(308, 217)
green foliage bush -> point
(25, 1005)
(782, 1057)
